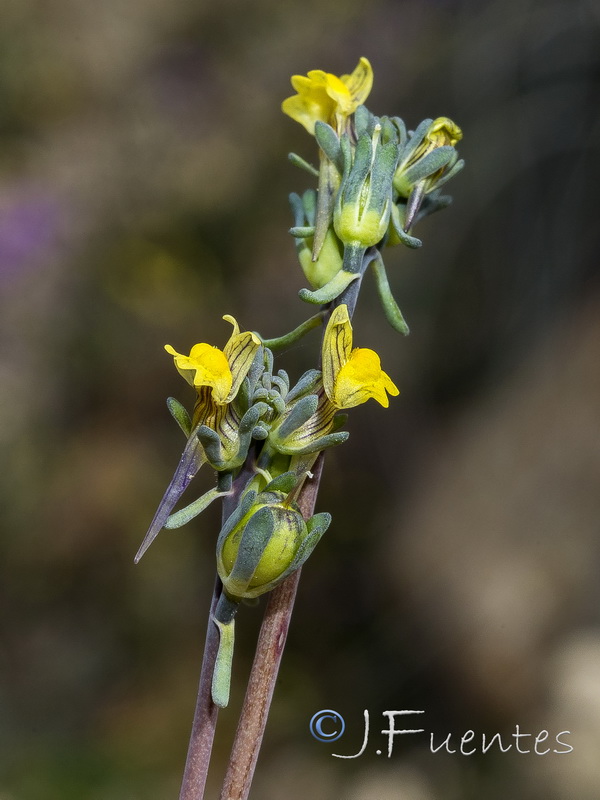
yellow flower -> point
(221, 370)
(325, 97)
(351, 377)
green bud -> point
(328, 263)
(262, 542)
(364, 200)
(428, 158)
(261, 546)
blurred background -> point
(143, 194)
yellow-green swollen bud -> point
(328, 262)
(364, 200)
(428, 157)
(262, 542)
(280, 548)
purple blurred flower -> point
(30, 224)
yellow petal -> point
(309, 109)
(360, 379)
(185, 371)
(337, 346)
(360, 82)
(239, 351)
(339, 93)
(314, 80)
(443, 131)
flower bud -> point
(328, 263)
(364, 200)
(263, 541)
(261, 548)
(428, 157)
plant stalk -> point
(193, 783)
(205, 715)
(269, 650)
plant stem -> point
(269, 650)
(205, 716)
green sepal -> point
(282, 483)
(191, 460)
(255, 537)
(306, 384)
(402, 132)
(331, 290)
(316, 526)
(211, 442)
(309, 204)
(283, 376)
(455, 169)
(390, 307)
(268, 360)
(281, 385)
(323, 442)
(414, 140)
(397, 218)
(260, 432)
(180, 415)
(221, 678)
(258, 366)
(302, 231)
(301, 412)
(180, 518)
(389, 133)
(329, 183)
(424, 167)
(298, 161)
(364, 121)
(384, 165)
(278, 403)
(356, 168)
(329, 142)
(236, 516)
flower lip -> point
(221, 370)
(361, 378)
(205, 366)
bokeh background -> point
(143, 186)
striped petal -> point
(337, 346)
(239, 351)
